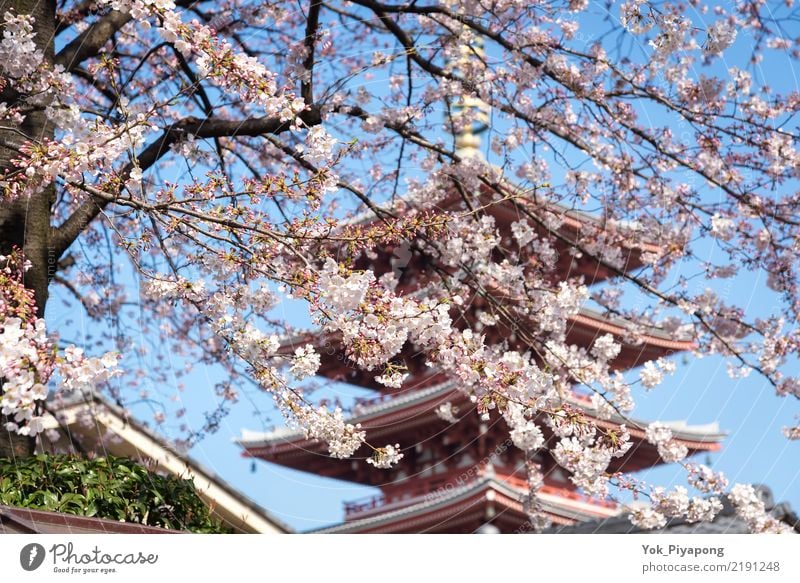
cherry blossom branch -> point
(73, 226)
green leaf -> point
(109, 487)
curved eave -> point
(470, 502)
(652, 337)
(413, 408)
(575, 220)
(572, 221)
(15, 520)
(389, 419)
(583, 329)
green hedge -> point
(107, 487)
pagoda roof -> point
(705, 436)
(365, 414)
(410, 419)
(583, 329)
(585, 318)
(567, 225)
(653, 335)
(571, 219)
(464, 507)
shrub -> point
(106, 487)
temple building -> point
(460, 473)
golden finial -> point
(471, 116)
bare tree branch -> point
(72, 227)
(306, 86)
(90, 41)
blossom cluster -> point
(705, 479)
(385, 457)
(25, 365)
(447, 412)
(305, 362)
(525, 434)
(639, 17)
(28, 356)
(750, 508)
(669, 449)
(671, 504)
(587, 456)
(652, 373)
(19, 56)
(538, 519)
(343, 438)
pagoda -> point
(460, 473)
(463, 473)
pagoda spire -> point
(471, 115)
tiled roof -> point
(726, 522)
(251, 438)
(709, 432)
(26, 521)
(429, 504)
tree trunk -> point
(25, 222)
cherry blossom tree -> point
(229, 156)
